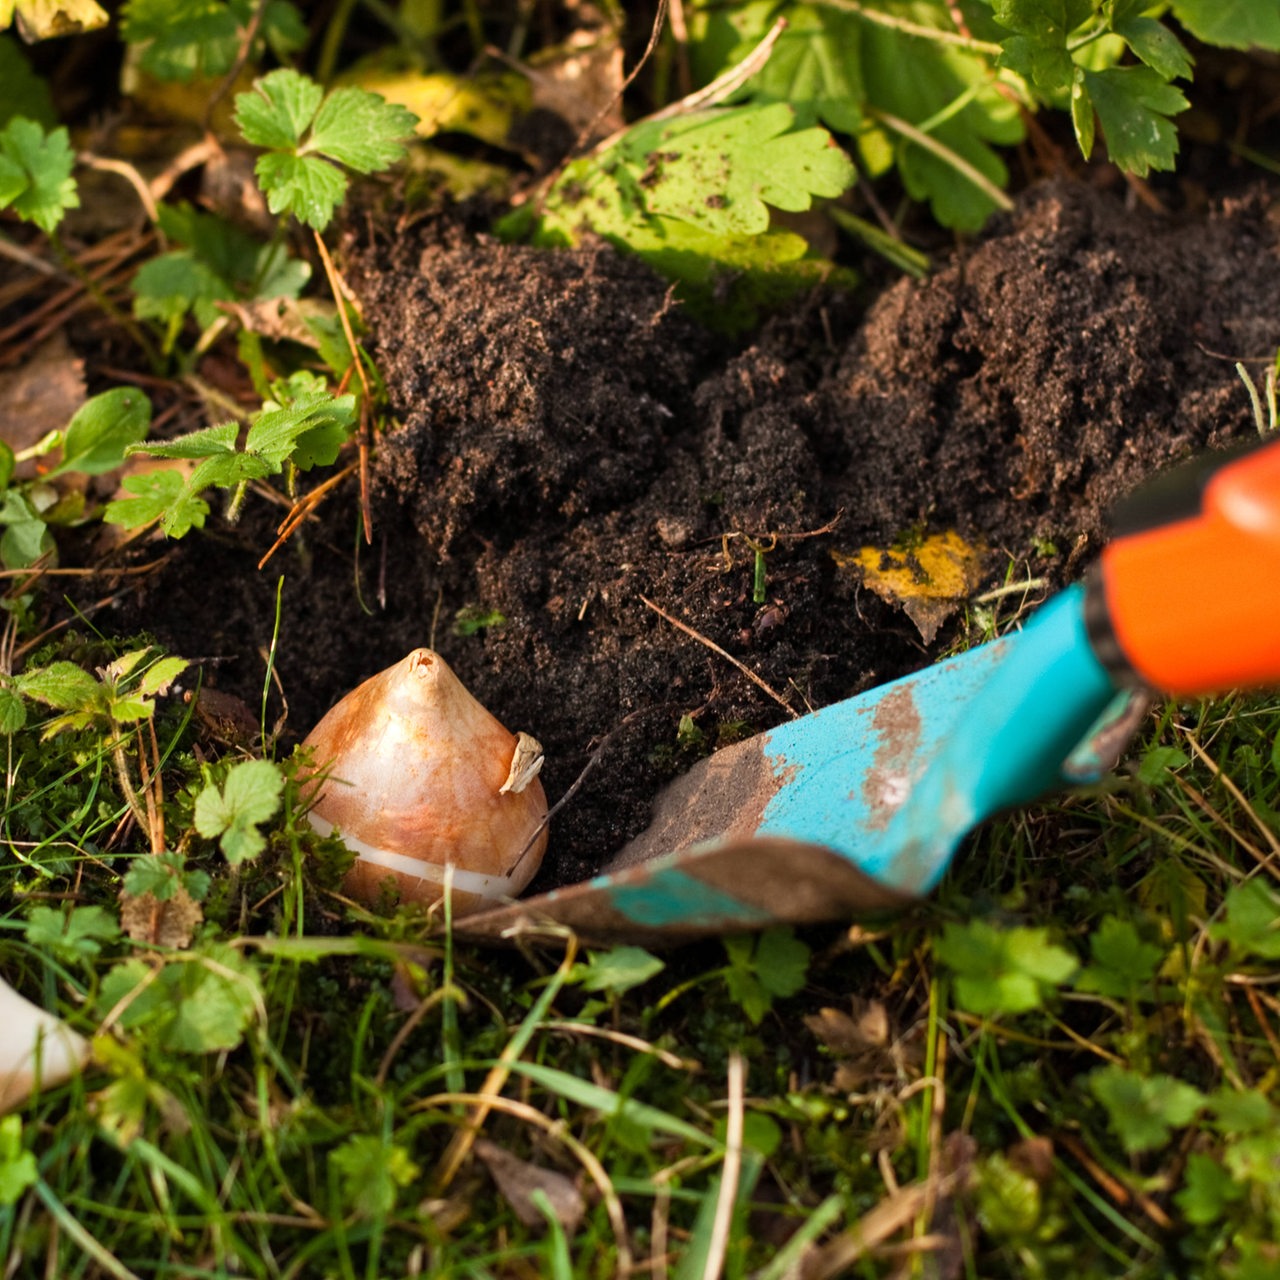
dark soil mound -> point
(572, 445)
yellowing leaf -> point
(483, 108)
(928, 579)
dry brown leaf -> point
(580, 80)
(40, 395)
(171, 923)
(517, 1180)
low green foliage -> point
(772, 965)
(35, 173)
(310, 134)
(232, 813)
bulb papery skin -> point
(33, 1044)
(410, 769)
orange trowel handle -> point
(1187, 594)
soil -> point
(571, 445)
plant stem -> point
(944, 153)
(909, 28)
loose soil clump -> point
(571, 447)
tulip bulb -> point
(416, 776)
(34, 1046)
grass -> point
(1063, 1064)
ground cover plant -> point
(327, 337)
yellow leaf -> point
(928, 579)
(483, 107)
(40, 19)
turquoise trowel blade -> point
(851, 809)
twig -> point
(557, 1129)
(576, 785)
(242, 57)
(908, 28)
(943, 153)
(304, 508)
(728, 657)
(123, 169)
(659, 19)
(730, 1173)
(340, 294)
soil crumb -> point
(573, 455)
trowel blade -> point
(850, 810)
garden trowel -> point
(859, 808)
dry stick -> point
(655, 33)
(242, 57)
(730, 1173)
(576, 785)
(189, 158)
(491, 1091)
(1267, 834)
(944, 153)
(728, 657)
(340, 293)
(558, 1130)
(304, 508)
(123, 169)
(424, 1007)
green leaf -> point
(1157, 46)
(773, 965)
(372, 1173)
(815, 66)
(13, 711)
(1002, 971)
(1134, 105)
(306, 186)
(250, 795)
(102, 429)
(7, 464)
(206, 443)
(22, 92)
(1039, 51)
(1207, 1191)
(44, 161)
(720, 170)
(617, 970)
(63, 686)
(199, 1004)
(1154, 767)
(1236, 24)
(169, 285)
(1252, 925)
(318, 418)
(1144, 1109)
(949, 94)
(77, 935)
(162, 875)
(18, 1168)
(160, 675)
(278, 109)
(159, 495)
(1237, 1112)
(181, 39)
(361, 130)
(1122, 962)
(26, 537)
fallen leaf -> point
(171, 923)
(482, 106)
(40, 395)
(581, 81)
(517, 1180)
(928, 579)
